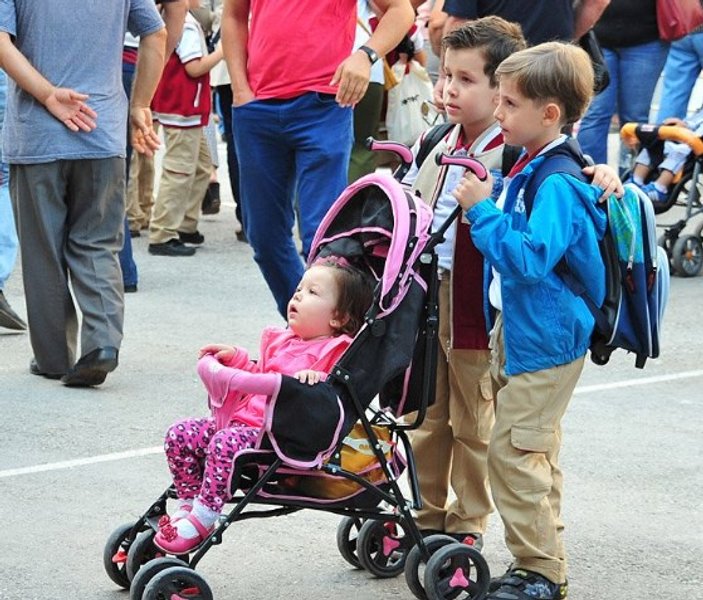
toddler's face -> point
(468, 96)
(312, 309)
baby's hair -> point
(553, 71)
(495, 37)
(355, 292)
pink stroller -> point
(307, 457)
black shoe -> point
(92, 368)
(8, 317)
(130, 288)
(35, 370)
(474, 540)
(171, 248)
(196, 237)
(520, 584)
(135, 233)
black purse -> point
(589, 42)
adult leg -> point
(38, 195)
(640, 67)
(130, 275)
(595, 125)
(367, 115)
(683, 65)
(267, 175)
(96, 191)
(322, 133)
(224, 96)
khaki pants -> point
(184, 180)
(523, 459)
(140, 191)
(451, 444)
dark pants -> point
(224, 97)
(130, 275)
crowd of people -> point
(297, 85)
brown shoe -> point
(8, 317)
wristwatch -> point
(370, 52)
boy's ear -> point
(551, 114)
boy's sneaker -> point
(520, 584)
(653, 193)
(196, 237)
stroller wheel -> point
(415, 563)
(382, 548)
(177, 582)
(115, 556)
(147, 573)
(141, 552)
(687, 255)
(457, 571)
(347, 539)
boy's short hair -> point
(495, 37)
(553, 71)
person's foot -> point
(520, 584)
(92, 368)
(185, 534)
(35, 370)
(130, 288)
(8, 317)
(196, 237)
(171, 248)
(653, 193)
(135, 233)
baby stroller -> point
(387, 373)
(685, 252)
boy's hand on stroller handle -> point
(471, 190)
(468, 163)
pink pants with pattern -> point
(201, 458)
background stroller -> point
(685, 252)
(300, 463)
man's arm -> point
(435, 26)
(586, 15)
(174, 15)
(67, 105)
(150, 64)
(353, 73)
(235, 34)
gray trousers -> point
(69, 218)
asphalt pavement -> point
(76, 463)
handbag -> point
(678, 18)
(408, 103)
(389, 78)
(601, 75)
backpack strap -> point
(511, 154)
(431, 139)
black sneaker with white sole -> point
(171, 248)
(520, 584)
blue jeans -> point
(8, 233)
(296, 148)
(683, 65)
(130, 275)
(634, 72)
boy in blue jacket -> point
(541, 330)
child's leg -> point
(523, 463)
(201, 180)
(643, 166)
(186, 446)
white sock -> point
(183, 508)
(661, 188)
(201, 512)
(638, 180)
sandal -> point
(169, 540)
(167, 519)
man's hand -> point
(605, 178)
(69, 107)
(438, 93)
(145, 140)
(352, 76)
(471, 190)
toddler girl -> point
(326, 310)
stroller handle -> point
(400, 150)
(471, 164)
(633, 133)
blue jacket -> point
(545, 324)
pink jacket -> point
(281, 352)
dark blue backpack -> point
(636, 268)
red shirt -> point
(295, 46)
